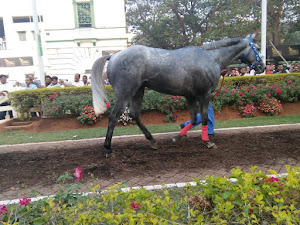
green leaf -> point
(227, 194)
(273, 172)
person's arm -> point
(3, 92)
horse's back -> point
(168, 71)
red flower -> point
(24, 201)
(135, 206)
(272, 179)
(241, 93)
(3, 210)
(247, 89)
(252, 94)
(78, 173)
(292, 86)
(225, 90)
(233, 91)
(107, 105)
(289, 81)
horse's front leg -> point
(205, 108)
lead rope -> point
(222, 82)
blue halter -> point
(258, 58)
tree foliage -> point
(172, 24)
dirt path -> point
(34, 164)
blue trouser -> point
(210, 120)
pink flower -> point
(225, 90)
(233, 91)
(281, 78)
(289, 81)
(135, 206)
(107, 105)
(78, 173)
(241, 93)
(292, 86)
(67, 102)
(247, 89)
(3, 210)
(240, 102)
(24, 201)
(272, 179)
(252, 94)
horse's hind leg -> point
(192, 105)
(113, 119)
(135, 108)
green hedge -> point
(260, 79)
(22, 101)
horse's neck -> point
(225, 55)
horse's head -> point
(251, 55)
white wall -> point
(67, 49)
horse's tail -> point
(98, 88)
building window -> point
(84, 13)
(22, 35)
(26, 19)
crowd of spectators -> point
(31, 82)
(270, 69)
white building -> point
(74, 33)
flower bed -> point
(237, 92)
(253, 198)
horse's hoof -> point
(153, 145)
(210, 145)
(176, 138)
(108, 153)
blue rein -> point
(258, 58)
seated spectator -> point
(5, 87)
(48, 80)
(243, 71)
(234, 72)
(18, 87)
(279, 69)
(250, 72)
(270, 68)
(295, 68)
(34, 80)
(54, 83)
(85, 80)
(77, 82)
(29, 84)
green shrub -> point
(236, 91)
(253, 198)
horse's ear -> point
(253, 36)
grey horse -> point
(192, 72)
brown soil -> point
(35, 164)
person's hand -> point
(3, 92)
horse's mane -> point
(222, 43)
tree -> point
(176, 23)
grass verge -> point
(18, 137)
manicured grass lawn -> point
(18, 137)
